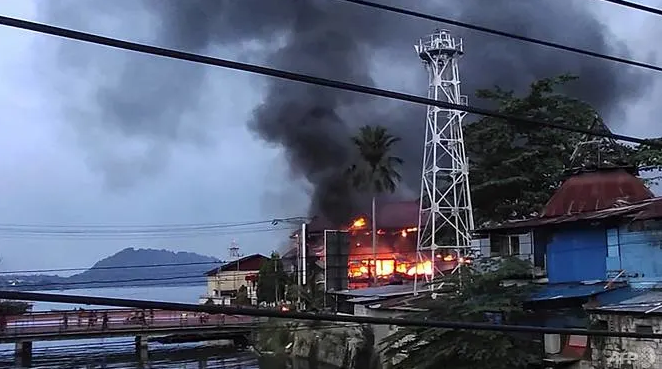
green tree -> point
(480, 296)
(524, 164)
(272, 280)
(376, 169)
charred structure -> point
(396, 256)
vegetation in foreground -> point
(477, 295)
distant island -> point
(127, 268)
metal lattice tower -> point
(233, 251)
(446, 218)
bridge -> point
(27, 328)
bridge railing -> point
(51, 322)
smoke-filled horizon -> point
(331, 39)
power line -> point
(553, 45)
(167, 265)
(103, 229)
(630, 4)
(278, 73)
(323, 317)
(84, 236)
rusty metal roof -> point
(647, 209)
(601, 189)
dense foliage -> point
(524, 164)
(272, 280)
(479, 296)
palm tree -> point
(375, 170)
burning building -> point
(345, 250)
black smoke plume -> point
(332, 39)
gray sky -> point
(220, 172)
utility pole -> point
(276, 277)
(301, 250)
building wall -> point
(231, 281)
(515, 244)
(577, 254)
(636, 248)
(617, 353)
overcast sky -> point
(50, 172)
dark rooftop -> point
(246, 263)
(390, 215)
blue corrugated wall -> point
(639, 254)
(577, 255)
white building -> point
(224, 282)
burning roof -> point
(390, 215)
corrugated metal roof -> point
(640, 301)
(589, 196)
(381, 291)
(569, 291)
(596, 190)
(647, 209)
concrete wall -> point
(631, 353)
(231, 281)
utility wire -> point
(167, 265)
(83, 236)
(320, 317)
(282, 74)
(632, 5)
(553, 45)
(62, 229)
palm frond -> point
(376, 169)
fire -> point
(386, 267)
(359, 223)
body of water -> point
(119, 352)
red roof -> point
(598, 190)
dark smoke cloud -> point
(342, 41)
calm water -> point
(119, 352)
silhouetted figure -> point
(65, 321)
(151, 316)
(104, 321)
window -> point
(644, 328)
(504, 245)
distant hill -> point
(129, 267)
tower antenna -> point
(233, 251)
(445, 217)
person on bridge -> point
(104, 321)
(65, 321)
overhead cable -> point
(278, 73)
(633, 5)
(320, 317)
(474, 27)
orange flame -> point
(359, 223)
